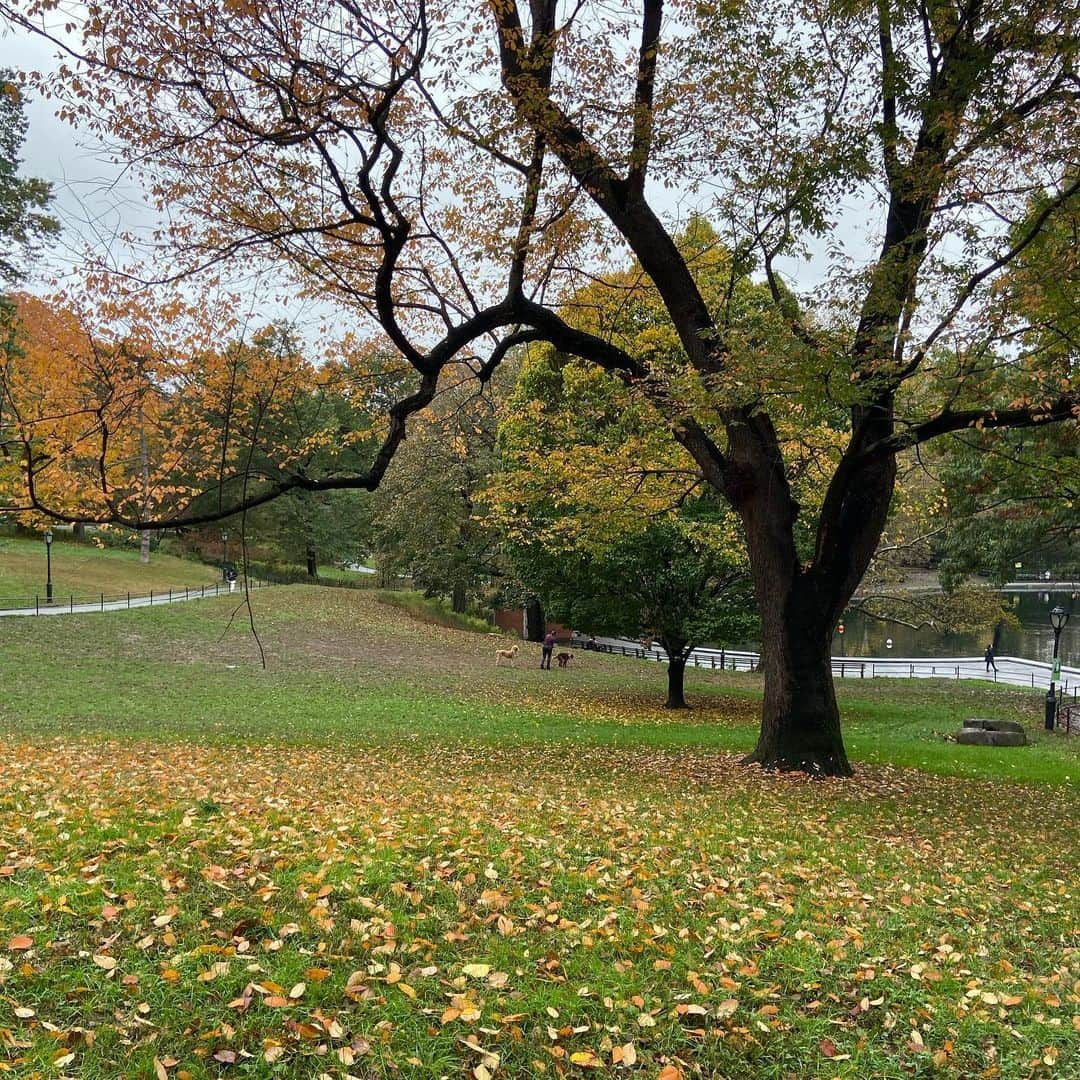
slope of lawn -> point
(383, 856)
(87, 571)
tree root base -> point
(816, 764)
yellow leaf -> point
(586, 1059)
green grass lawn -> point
(383, 856)
(86, 570)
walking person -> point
(988, 656)
(546, 650)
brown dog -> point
(564, 658)
(506, 654)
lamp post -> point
(48, 566)
(1058, 618)
(224, 550)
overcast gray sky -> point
(92, 198)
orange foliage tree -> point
(447, 173)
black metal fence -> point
(1032, 673)
(102, 601)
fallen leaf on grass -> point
(586, 1059)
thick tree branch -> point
(643, 95)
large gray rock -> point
(994, 725)
(983, 737)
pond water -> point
(1033, 640)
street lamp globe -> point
(48, 537)
(1058, 618)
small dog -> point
(506, 654)
(564, 658)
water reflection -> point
(1033, 640)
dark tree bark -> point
(800, 721)
(312, 563)
(676, 695)
(458, 598)
(677, 652)
(800, 604)
(534, 620)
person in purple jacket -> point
(546, 650)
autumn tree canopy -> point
(448, 173)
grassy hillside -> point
(86, 570)
(383, 856)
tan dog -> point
(506, 654)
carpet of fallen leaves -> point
(182, 911)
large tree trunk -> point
(458, 598)
(800, 604)
(676, 670)
(800, 721)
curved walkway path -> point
(76, 605)
(1011, 670)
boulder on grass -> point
(994, 725)
(983, 737)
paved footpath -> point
(1011, 670)
(108, 602)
